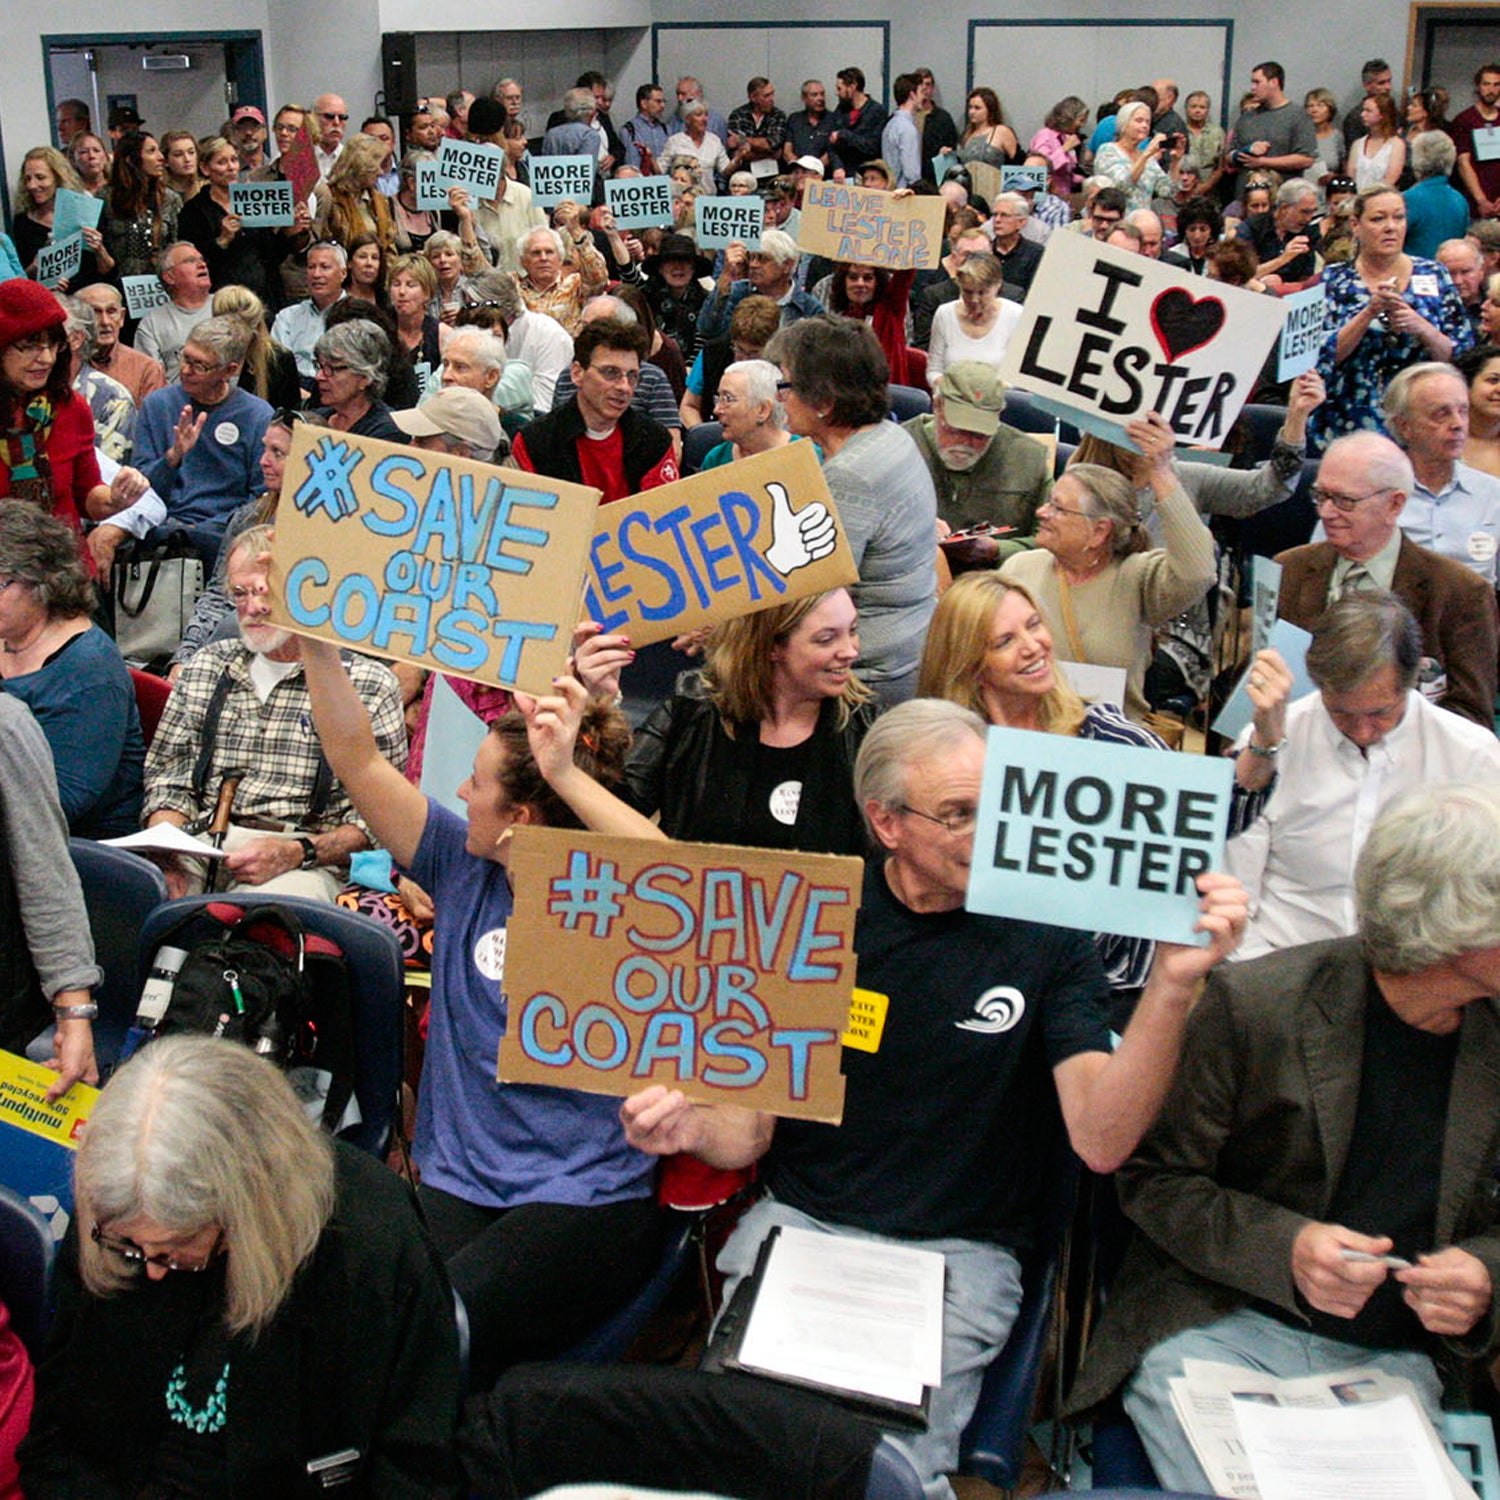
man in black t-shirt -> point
(1318, 1192)
(992, 1029)
(1286, 239)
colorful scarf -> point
(26, 453)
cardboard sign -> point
(724, 543)
(142, 293)
(60, 260)
(1291, 642)
(871, 228)
(268, 205)
(452, 565)
(1023, 179)
(722, 221)
(558, 179)
(1302, 332)
(472, 165)
(640, 202)
(431, 196)
(74, 211)
(1108, 336)
(723, 972)
(1106, 838)
(299, 164)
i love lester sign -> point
(1109, 336)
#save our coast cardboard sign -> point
(724, 543)
(417, 556)
(724, 972)
(1108, 336)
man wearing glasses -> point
(1364, 484)
(1339, 756)
(596, 437)
(330, 116)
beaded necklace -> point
(212, 1415)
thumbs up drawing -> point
(800, 539)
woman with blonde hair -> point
(237, 254)
(240, 1298)
(412, 288)
(758, 748)
(179, 149)
(269, 369)
(454, 263)
(90, 159)
(44, 171)
(349, 203)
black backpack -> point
(254, 975)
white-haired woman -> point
(244, 1306)
(1132, 160)
(352, 359)
(747, 408)
(699, 144)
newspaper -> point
(1249, 1460)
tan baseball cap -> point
(973, 396)
(456, 412)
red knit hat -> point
(25, 309)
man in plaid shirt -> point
(292, 826)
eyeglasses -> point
(328, 367)
(1064, 510)
(129, 1251)
(242, 597)
(614, 375)
(324, 115)
(196, 366)
(725, 398)
(38, 343)
(1343, 503)
(960, 821)
(784, 386)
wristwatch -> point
(309, 853)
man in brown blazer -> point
(1336, 1104)
(1363, 484)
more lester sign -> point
(724, 543)
(1108, 336)
(723, 972)
(558, 179)
(723, 221)
(416, 556)
(639, 202)
(262, 204)
(471, 165)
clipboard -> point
(722, 1354)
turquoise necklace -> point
(214, 1410)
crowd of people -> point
(245, 1307)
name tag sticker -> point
(1424, 284)
(1487, 143)
(866, 1020)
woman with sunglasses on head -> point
(245, 1306)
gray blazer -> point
(1251, 1144)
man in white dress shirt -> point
(1347, 750)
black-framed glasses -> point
(958, 822)
(1343, 503)
(783, 386)
(129, 1251)
(323, 114)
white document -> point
(1380, 1450)
(1095, 684)
(169, 839)
(858, 1314)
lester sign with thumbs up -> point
(724, 543)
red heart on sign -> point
(1182, 323)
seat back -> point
(377, 990)
(1024, 417)
(908, 402)
(120, 890)
(151, 694)
(696, 442)
(1261, 423)
(27, 1252)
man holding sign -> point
(975, 1030)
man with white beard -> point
(982, 470)
(241, 710)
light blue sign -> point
(142, 293)
(471, 165)
(61, 260)
(431, 198)
(1265, 595)
(454, 734)
(640, 202)
(74, 211)
(557, 179)
(1100, 837)
(1023, 179)
(1291, 642)
(722, 221)
(1302, 333)
(263, 205)
(942, 164)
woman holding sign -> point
(43, 172)
(877, 296)
(1101, 587)
(237, 254)
(542, 1212)
(1385, 310)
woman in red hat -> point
(46, 428)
